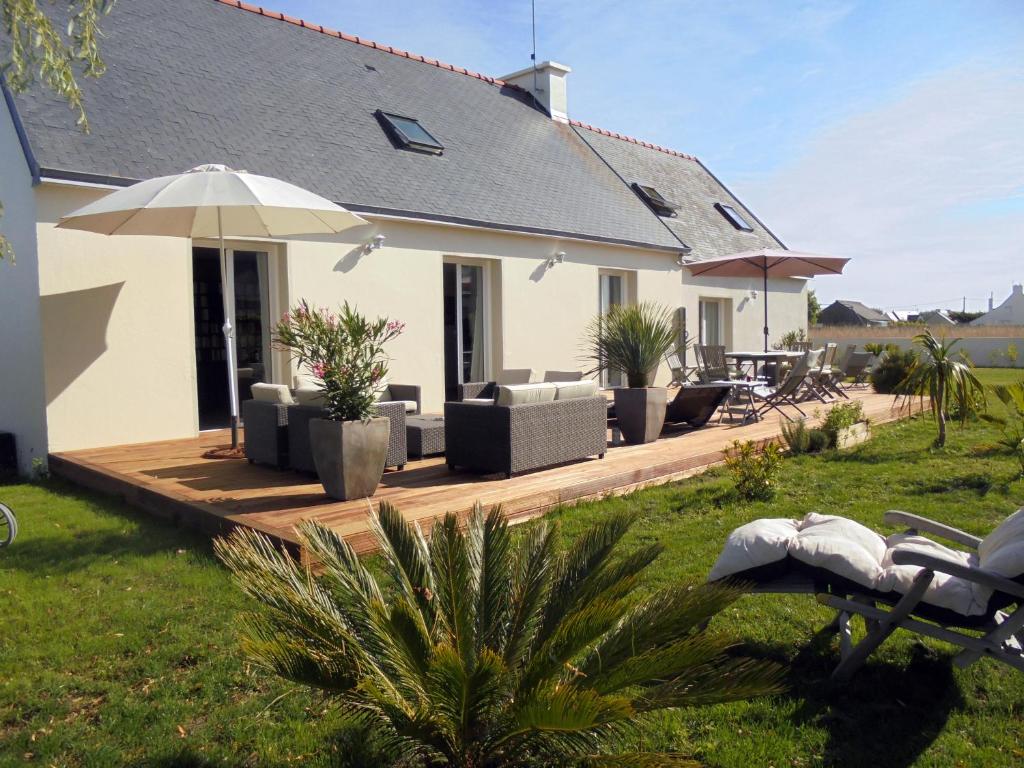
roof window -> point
(733, 217)
(655, 200)
(409, 134)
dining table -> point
(770, 360)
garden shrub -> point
(893, 369)
(818, 440)
(795, 435)
(755, 471)
(841, 417)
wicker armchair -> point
(266, 433)
(300, 453)
(520, 438)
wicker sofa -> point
(484, 435)
(277, 433)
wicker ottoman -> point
(424, 435)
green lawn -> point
(118, 644)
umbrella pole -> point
(227, 285)
(766, 309)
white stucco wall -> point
(117, 330)
(117, 316)
(22, 405)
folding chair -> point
(787, 392)
(715, 370)
(903, 581)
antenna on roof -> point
(533, 29)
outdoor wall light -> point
(374, 244)
(558, 258)
(753, 294)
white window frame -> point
(488, 325)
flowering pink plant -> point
(344, 352)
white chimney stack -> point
(547, 84)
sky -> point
(889, 131)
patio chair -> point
(857, 370)
(800, 346)
(819, 379)
(788, 392)
(715, 370)
(681, 372)
(904, 581)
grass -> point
(118, 643)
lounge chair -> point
(902, 581)
(856, 370)
(695, 404)
(788, 392)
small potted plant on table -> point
(345, 353)
(634, 339)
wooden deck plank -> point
(173, 479)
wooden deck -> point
(173, 479)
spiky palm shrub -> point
(482, 652)
(632, 338)
(948, 383)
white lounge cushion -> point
(410, 405)
(515, 376)
(858, 554)
(479, 400)
(308, 394)
(272, 393)
(521, 394)
(569, 390)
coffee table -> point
(424, 435)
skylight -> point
(655, 199)
(733, 217)
(409, 134)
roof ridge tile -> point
(631, 140)
(278, 16)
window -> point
(655, 199)
(734, 218)
(710, 322)
(409, 134)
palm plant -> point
(1012, 422)
(948, 382)
(633, 339)
(485, 652)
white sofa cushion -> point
(272, 393)
(521, 394)
(410, 405)
(479, 400)
(308, 394)
(858, 554)
(569, 390)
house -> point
(1010, 312)
(504, 226)
(846, 312)
(932, 317)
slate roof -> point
(198, 81)
(864, 311)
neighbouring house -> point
(931, 317)
(1010, 312)
(507, 225)
(846, 312)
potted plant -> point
(634, 339)
(345, 354)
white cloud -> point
(922, 191)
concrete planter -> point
(349, 455)
(853, 435)
(641, 413)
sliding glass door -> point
(465, 325)
(251, 323)
(612, 294)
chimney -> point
(991, 298)
(1018, 289)
(547, 86)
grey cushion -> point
(307, 394)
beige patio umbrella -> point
(213, 201)
(765, 263)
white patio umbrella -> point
(213, 201)
(765, 263)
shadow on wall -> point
(75, 333)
